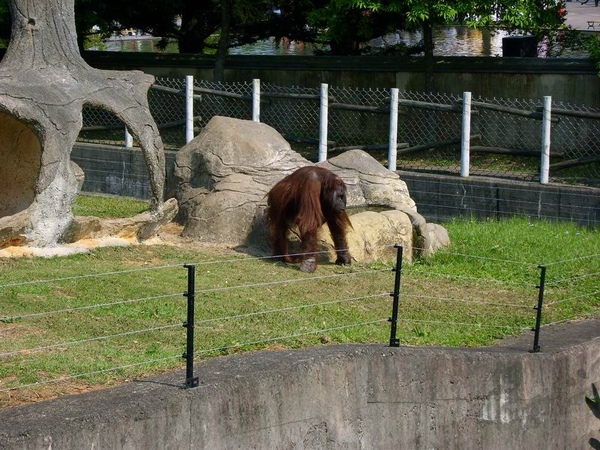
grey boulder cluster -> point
(222, 177)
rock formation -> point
(44, 84)
(221, 179)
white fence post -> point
(393, 140)
(128, 138)
(256, 100)
(465, 145)
(546, 127)
(189, 108)
(323, 122)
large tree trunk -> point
(198, 21)
(219, 73)
(428, 50)
(44, 84)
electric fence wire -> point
(262, 284)
(196, 353)
(151, 268)
(462, 300)
(572, 279)
(462, 324)
(275, 257)
(88, 340)
(200, 291)
(178, 325)
(576, 297)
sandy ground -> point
(170, 234)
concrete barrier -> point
(443, 197)
(341, 397)
(116, 170)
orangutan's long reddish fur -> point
(308, 198)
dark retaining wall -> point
(122, 171)
(442, 197)
(340, 397)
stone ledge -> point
(334, 397)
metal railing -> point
(404, 130)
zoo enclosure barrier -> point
(532, 140)
(345, 305)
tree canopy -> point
(343, 26)
(538, 17)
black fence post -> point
(394, 341)
(190, 380)
(538, 318)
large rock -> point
(138, 228)
(222, 176)
(374, 237)
(221, 179)
(368, 182)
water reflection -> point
(272, 47)
(462, 41)
(448, 41)
(145, 44)
(451, 41)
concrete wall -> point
(116, 170)
(121, 171)
(573, 81)
(340, 397)
(442, 197)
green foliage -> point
(510, 14)
(593, 46)
(190, 22)
(345, 25)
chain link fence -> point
(506, 135)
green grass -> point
(107, 206)
(120, 310)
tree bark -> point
(428, 50)
(198, 22)
(219, 73)
(44, 84)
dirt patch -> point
(39, 393)
(170, 234)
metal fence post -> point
(394, 341)
(465, 147)
(256, 100)
(190, 380)
(128, 138)
(546, 127)
(538, 318)
(189, 108)
(393, 140)
(323, 122)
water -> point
(128, 44)
(448, 41)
